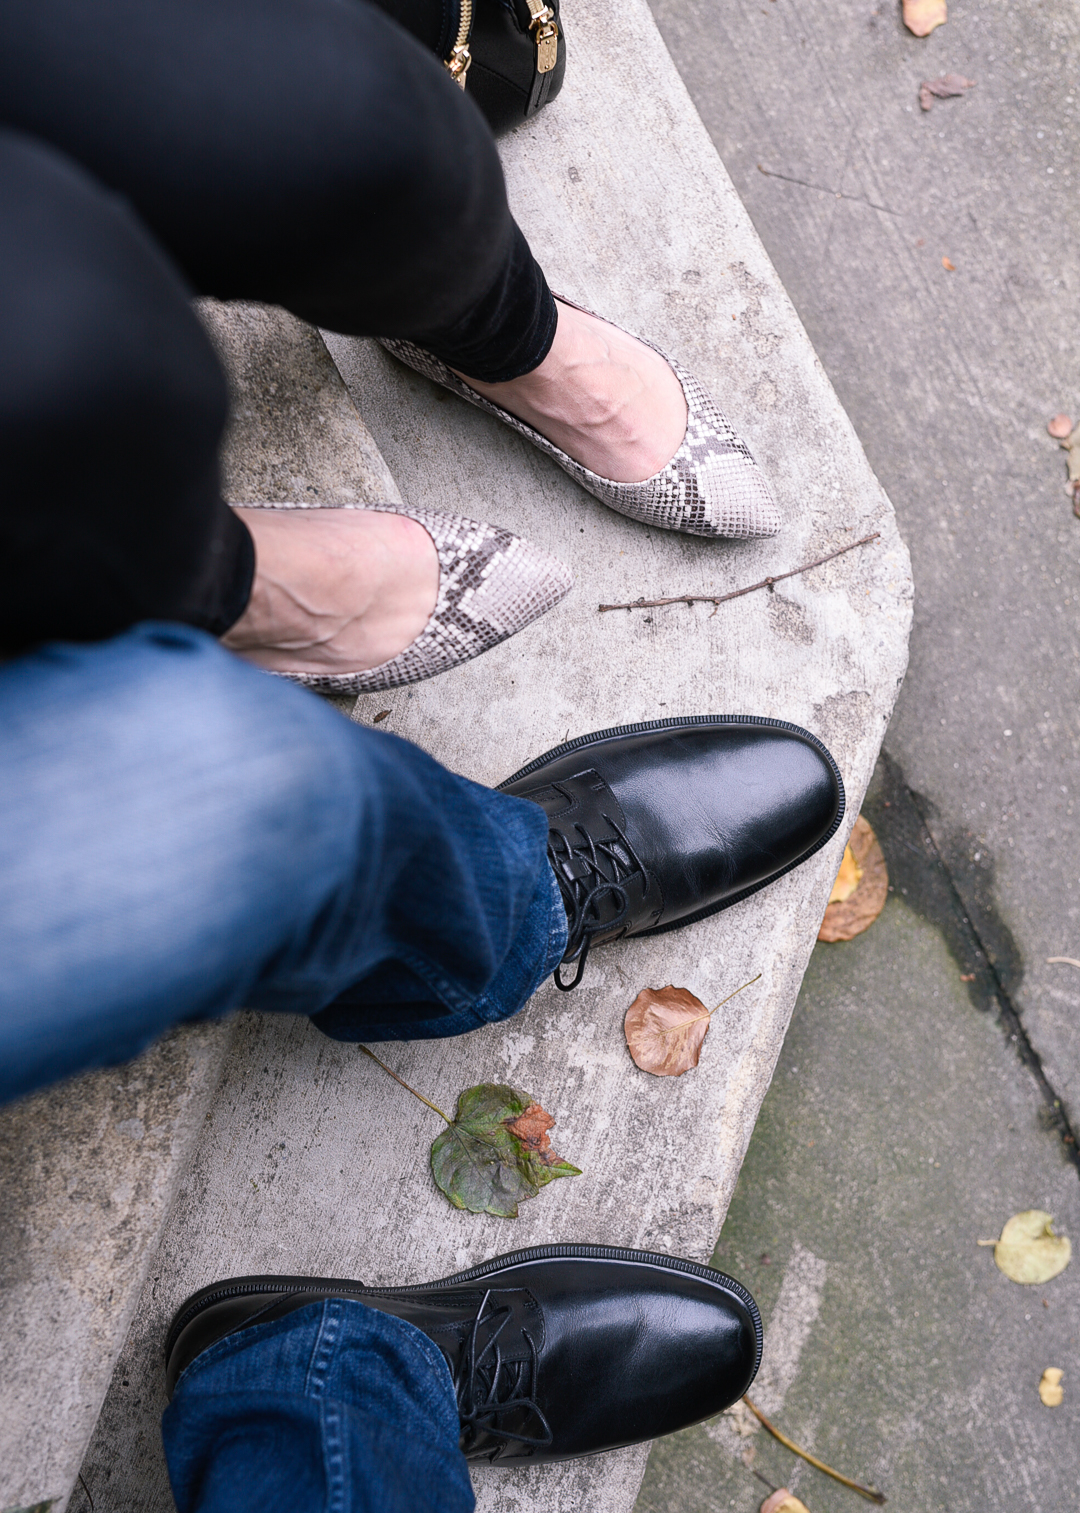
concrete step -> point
(311, 1159)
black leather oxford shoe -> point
(654, 826)
(557, 1351)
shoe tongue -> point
(447, 1316)
(585, 797)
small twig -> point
(1070, 961)
(730, 996)
(766, 1480)
(86, 1489)
(738, 593)
(870, 1493)
(837, 194)
(405, 1085)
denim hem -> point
(534, 955)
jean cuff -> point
(537, 950)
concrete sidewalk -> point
(893, 1061)
(900, 1129)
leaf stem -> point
(870, 1493)
(730, 996)
(433, 1106)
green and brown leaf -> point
(496, 1152)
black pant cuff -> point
(510, 330)
(217, 600)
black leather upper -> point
(556, 1352)
(685, 816)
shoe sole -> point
(241, 1286)
(682, 721)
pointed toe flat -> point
(711, 487)
(491, 585)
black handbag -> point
(509, 54)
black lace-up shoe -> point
(654, 826)
(555, 1352)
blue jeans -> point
(333, 1409)
(182, 835)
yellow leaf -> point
(1029, 1251)
(783, 1501)
(850, 913)
(1050, 1389)
(921, 16)
(847, 879)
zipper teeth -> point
(464, 26)
(672, 722)
(536, 1253)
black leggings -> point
(305, 153)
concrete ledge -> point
(310, 1158)
(87, 1173)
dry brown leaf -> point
(1059, 427)
(664, 1029)
(783, 1501)
(1029, 1251)
(532, 1127)
(922, 16)
(1050, 1389)
(945, 88)
(850, 916)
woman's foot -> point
(628, 424)
(336, 591)
(608, 400)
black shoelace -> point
(489, 1389)
(583, 895)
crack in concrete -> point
(941, 882)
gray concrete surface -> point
(900, 1129)
(949, 378)
(87, 1174)
(313, 1160)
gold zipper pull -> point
(457, 65)
(545, 29)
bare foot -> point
(601, 395)
(335, 591)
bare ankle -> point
(603, 397)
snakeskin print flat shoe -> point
(711, 487)
(491, 585)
